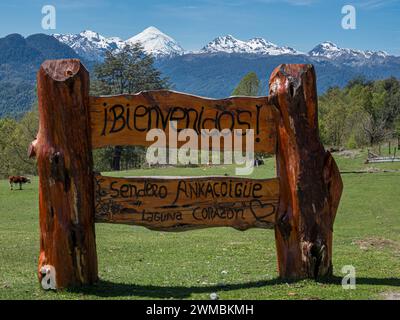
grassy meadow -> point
(135, 263)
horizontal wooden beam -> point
(183, 203)
(126, 119)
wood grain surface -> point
(182, 203)
(65, 165)
(126, 119)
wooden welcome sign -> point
(300, 204)
(126, 119)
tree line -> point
(363, 113)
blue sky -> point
(298, 23)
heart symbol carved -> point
(268, 209)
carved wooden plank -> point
(310, 182)
(66, 191)
(182, 203)
(126, 119)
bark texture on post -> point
(310, 182)
(66, 200)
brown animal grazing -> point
(18, 179)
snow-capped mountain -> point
(332, 51)
(229, 44)
(93, 46)
(89, 44)
(157, 43)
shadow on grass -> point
(110, 289)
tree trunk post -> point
(116, 163)
(310, 182)
(66, 183)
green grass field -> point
(135, 263)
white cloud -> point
(301, 2)
(374, 4)
(292, 2)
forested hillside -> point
(20, 59)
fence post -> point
(310, 182)
(66, 186)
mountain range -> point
(214, 70)
(92, 46)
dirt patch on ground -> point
(373, 170)
(390, 295)
(377, 244)
(352, 154)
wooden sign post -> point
(310, 182)
(65, 165)
(300, 204)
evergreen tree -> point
(248, 86)
(128, 71)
